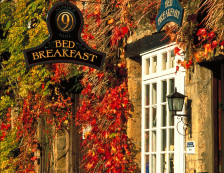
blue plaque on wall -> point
(170, 11)
(64, 44)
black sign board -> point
(64, 44)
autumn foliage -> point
(201, 35)
(36, 100)
(106, 144)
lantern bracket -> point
(175, 103)
(185, 125)
(185, 119)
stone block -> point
(61, 143)
(61, 171)
(61, 163)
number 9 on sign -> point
(65, 21)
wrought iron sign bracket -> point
(186, 124)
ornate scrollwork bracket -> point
(184, 122)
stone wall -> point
(60, 153)
(66, 147)
(134, 89)
(199, 90)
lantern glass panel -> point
(178, 104)
(170, 104)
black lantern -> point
(175, 101)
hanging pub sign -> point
(170, 11)
(64, 44)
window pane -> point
(147, 163)
(153, 166)
(171, 118)
(163, 142)
(154, 65)
(163, 115)
(172, 59)
(171, 139)
(172, 86)
(171, 163)
(147, 118)
(146, 141)
(171, 90)
(153, 141)
(147, 66)
(147, 89)
(163, 163)
(154, 93)
(164, 61)
(164, 89)
(154, 117)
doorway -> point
(218, 112)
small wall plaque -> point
(191, 147)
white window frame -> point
(158, 77)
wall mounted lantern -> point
(175, 103)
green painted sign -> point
(64, 44)
(170, 11)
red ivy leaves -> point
(185, 64)
(2, 136)
(34, 158)
(124, 30)
(56, 113)
(118, 34)
(59, 70)
(202, 32)
(4, 127)
(177, 51)
(106, 144)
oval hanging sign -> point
(64, 44)
(170, 11)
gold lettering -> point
(177, 14)
(78, 54)
(65, 52)
(57, 52)
(64, 43)
(71, 44)
(164, 15)
(93, 56)
(168, 3)
(168, 13)
(41, 53)
(171, 11)
(86, 56)
(58, 43)
(161, 17)
(72, 52)
(35, 54)
(49, 53)
(159, 20)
